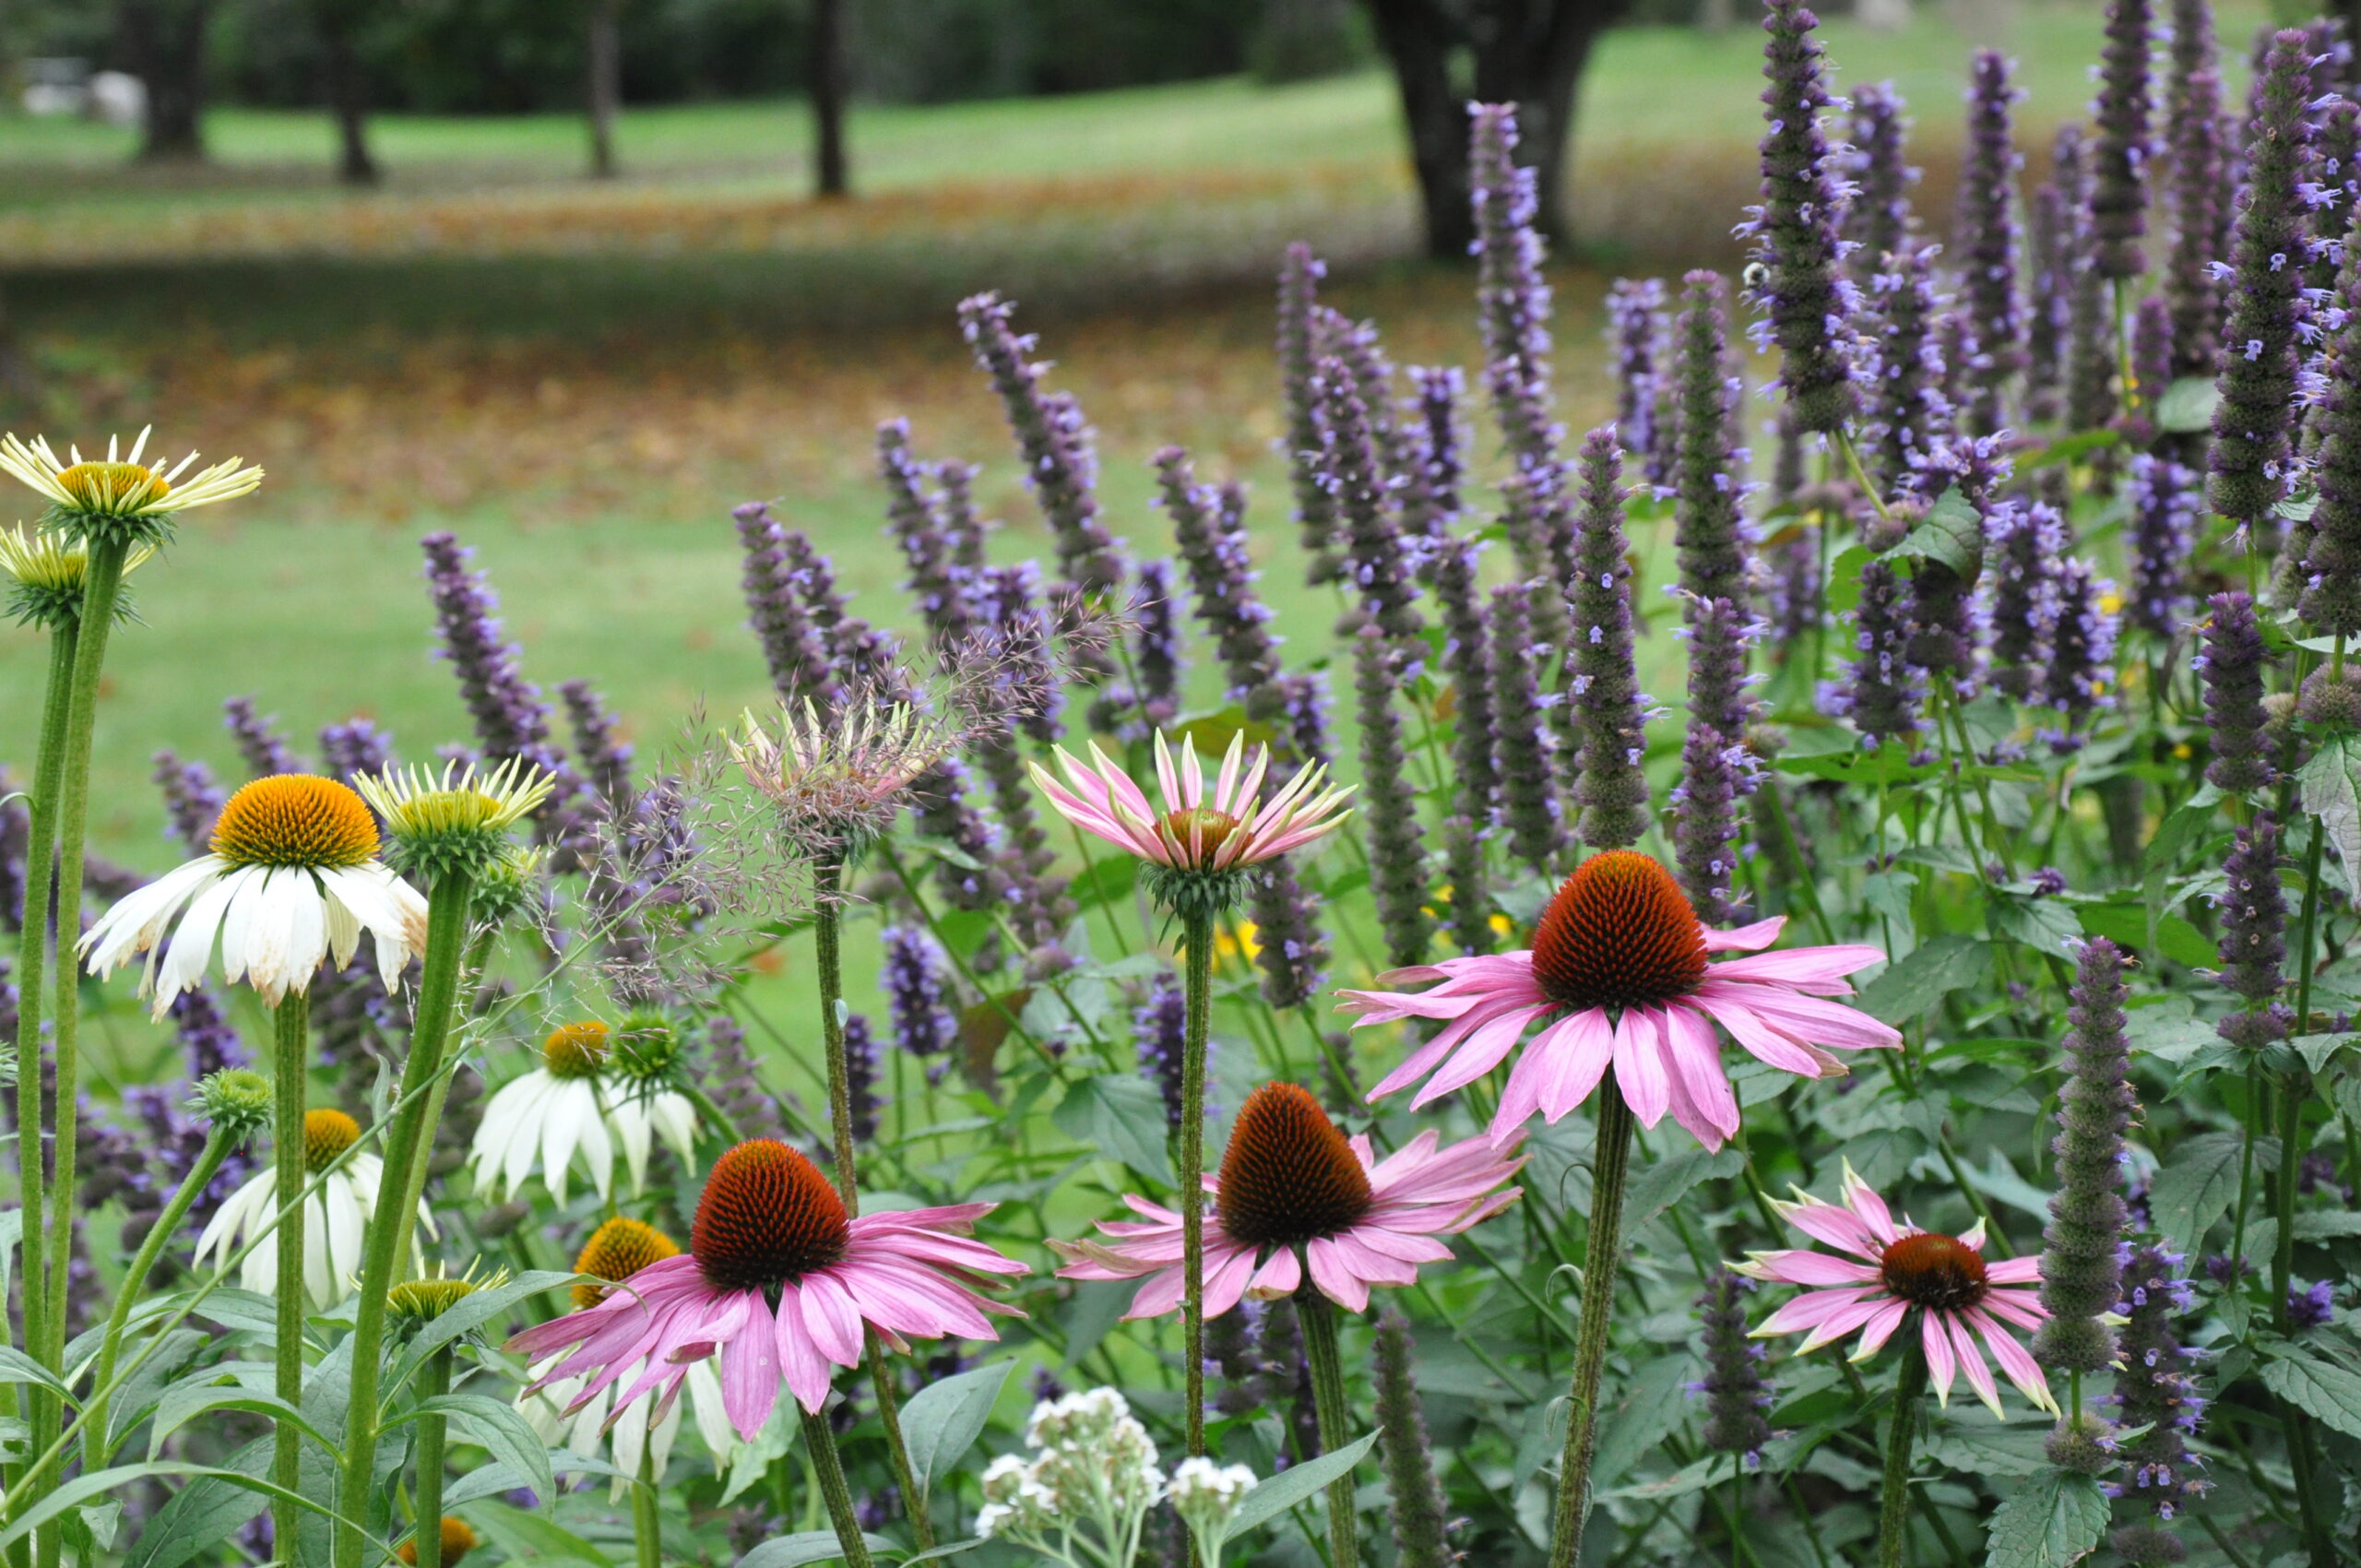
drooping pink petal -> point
(2020, 1367)
(1936, 1342)
(1745, 938)
(1800, 964)
(1808, 1310)
(750, 1371)
(1704, 1102)
(1639, 1067)
(1881, 1328)
(1335, 1278)
(1971, 1359)
(799, 1363)
(1834, 1224)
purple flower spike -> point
(1792, 274)
(2119, 158)
(2082, 1276)
(265, 751)
(1878, 220)
(1988, 241)
(2252, 423)
(2156, 1390)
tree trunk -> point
(347, 95)
(605, 86)
(1528, 52)
(1418, 39)
(164, 43)
(827, 83)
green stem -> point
(291, 1063)
(470, 975)
(219, 1142)
(32, 943)
(1611, 1165)
(1197, 969)
(889, 1413)
(1318, 1316)
(102, 581)
(827, 941)
(820, 1445)
(426, 1516)
(389, 1226)
(647, 1519)
(1893, 1498)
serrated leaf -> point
(1951, 534)
(2333, 793)
(1636, 1421)
(2188, 406)
(1121, 1116)
(942, 1420)
(2321, 1389)
(1988, 1449)
(1924, 977)
(1664, 1183)
(2197, 1184)
(2053, 1519)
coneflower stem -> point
(1197, 973)
(290, 1067)
(33, 941)
(820, 1444)
(470, 976)
(426, 1516)
(889, 1413)
(1893, 1499)
(1611, 1166)
(647, 1521)
(1318, 1316)
(219, 1142)
(101, 581)
(827, 942)
(449, 904)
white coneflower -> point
(646, 1426)
(457, 820)
(294, 879)
(335, 1215)
(119, 493)
(579, 1103)
(46, 572)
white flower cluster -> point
(1090, 1483)
(1206, 1494)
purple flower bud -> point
(2119, 194)
(1988, 241)
(1792, 272)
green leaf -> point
(2053, 1519)
(471, 1311)
(1919, 983)
(2127, 926)
(520, 1535)
(942, 1420)
(2187, 406)
(1988, 1449)
(1121, 1116)
(1695, 1476)
(1951, 534)
(2333, 794)
(17, 1367)
(2199, 1181)
(2319, 1388)
(1105, 881)
(1664, 1183)
(201, 1516)
(953, 1550)
(810, 1546)
(69, 1494)
(1844, 590)
(1292, 1485)
(501, 1430)
(1635, 1423)
(2045, 924)
(490, 1480)
(185, 1403)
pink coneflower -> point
(1958, 1293)
(1225, 829)
(780, 1285)
(1295, 1193)
(1621, 969)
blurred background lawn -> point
(582, 377)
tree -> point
(346, 83)
(827, 86)
(163, 42)
(1528, 52)
(605, 85)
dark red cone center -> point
(1618, 934)
(768, 1216)
(1932, 1270)
(1289, 1175)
